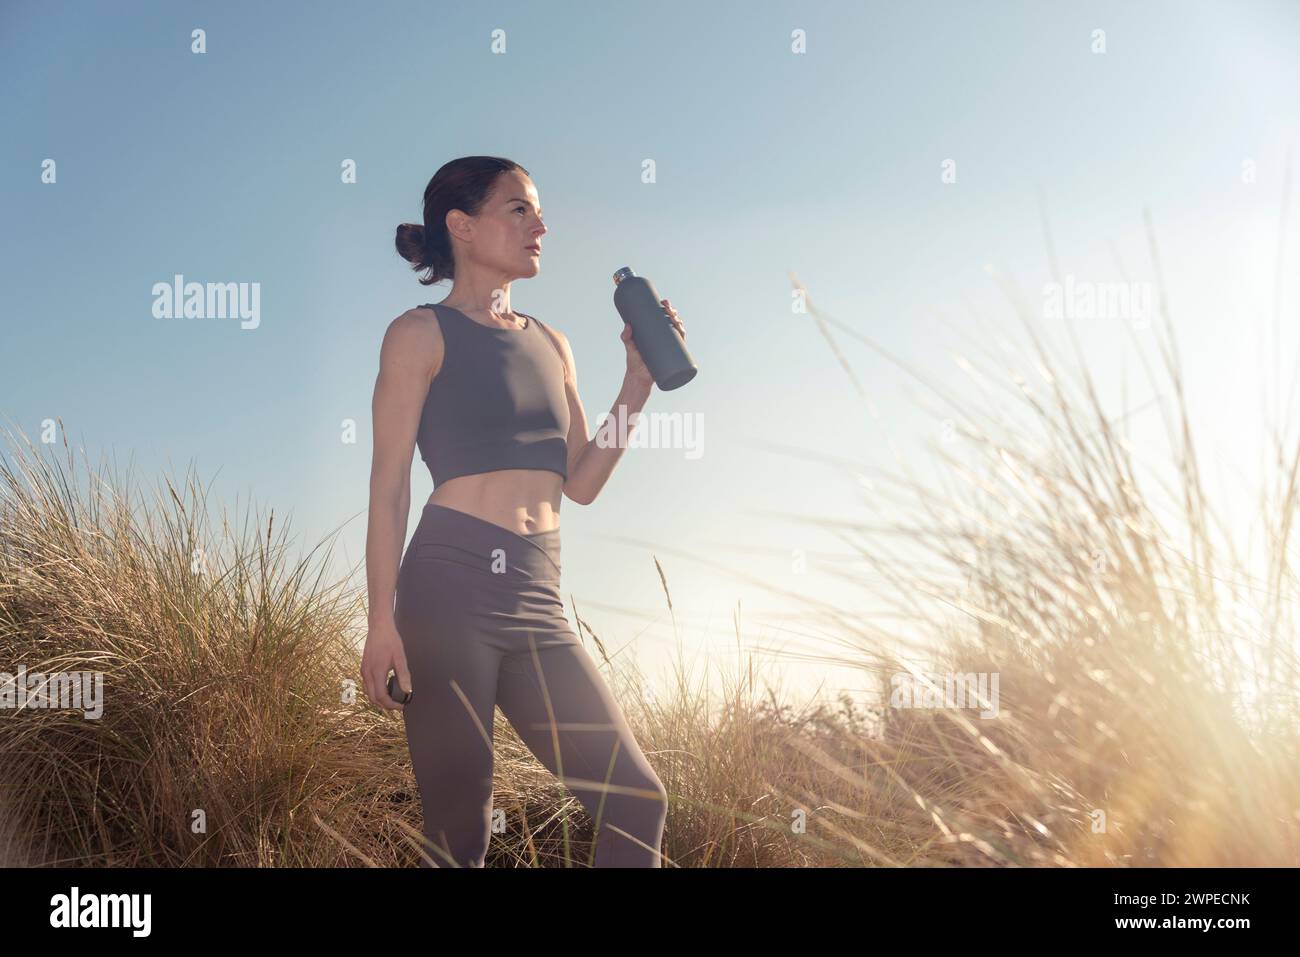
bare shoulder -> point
(414, 337)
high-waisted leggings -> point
(479, 612)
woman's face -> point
(509, 222)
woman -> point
(472, 617)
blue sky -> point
(225, 167)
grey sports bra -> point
(497, 402)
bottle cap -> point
(623, 274)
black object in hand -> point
(395, 691)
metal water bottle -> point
(656, 338)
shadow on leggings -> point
(482, 623)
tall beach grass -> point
(1130, 729)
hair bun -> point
(411, 244)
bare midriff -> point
(522, 500)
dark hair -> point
(462, 184)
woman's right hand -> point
(383, 653)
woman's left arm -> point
(590, 463)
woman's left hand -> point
(636, 367)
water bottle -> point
(656, 338)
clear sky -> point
(225, 166)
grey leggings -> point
(479, 612)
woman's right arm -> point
(408, 360)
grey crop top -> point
(497, 402)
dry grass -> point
(1123, 689)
